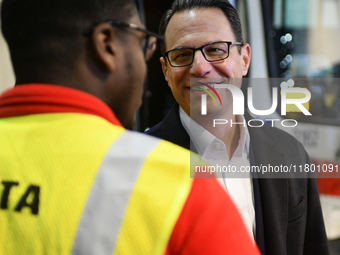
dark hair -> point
(47, 35)
(185, 5)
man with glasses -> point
(203, 47)
(73, 180)
(212, 52)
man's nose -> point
(200, 66)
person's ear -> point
(164, 68)
(105, 45)
(246, 55)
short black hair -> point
(46, 35)
(185, 5)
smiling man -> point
(197, 28)
(204, 44)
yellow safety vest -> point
(76, 184)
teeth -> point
(200, 87)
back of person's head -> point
(45, 36)
(186, 5)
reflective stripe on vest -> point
(110, 193)
(131, 211)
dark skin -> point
(105, 70)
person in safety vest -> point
(73, 180)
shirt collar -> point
(201, 138)
(29, 99)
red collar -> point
(45, 98)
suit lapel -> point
(273, 192)
(259, 235)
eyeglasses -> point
(149, 41)
(212, 52)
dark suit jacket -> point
(288, 212)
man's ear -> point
(246, 55)
(164, 68)
(105, 45)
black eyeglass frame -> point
(166, 54)
(116, 23)
(123, 24)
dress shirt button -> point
(218, 146)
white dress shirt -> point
(213, 151)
